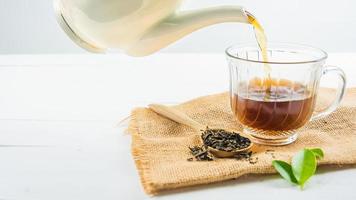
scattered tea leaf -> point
(200, 154)
(285, 170)
(243, 155)
(304, 166)
(319, 154)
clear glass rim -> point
(323, 55)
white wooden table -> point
(60, 138)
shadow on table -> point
(253, 178)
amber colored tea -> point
(268, 104)
(288, 106)
(261, 39)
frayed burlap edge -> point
(137, 150)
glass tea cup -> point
(273, 99)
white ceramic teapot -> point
(138, 27)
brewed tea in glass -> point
(273, 99)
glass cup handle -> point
(339, 93)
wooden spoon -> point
(182, 118)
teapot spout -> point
(181, 24)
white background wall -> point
(29, 26)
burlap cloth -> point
(160, 146)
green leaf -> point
(285, 170)
(303, 166)
(318, 153)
